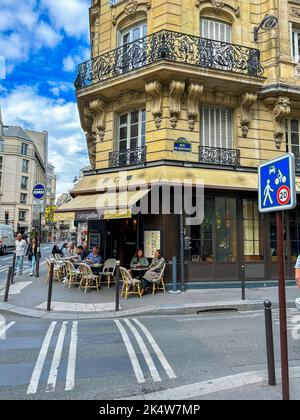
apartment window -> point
(1, 145)
(216, 30)
(1, 170)
(295, 35)
(24, 182)
(132, 130)
(22, 215)
(131, 57)
(216, 127)
(24, 149)
(25, 166)
(293, 136)
(23, 198)
(252, 245)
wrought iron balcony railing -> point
(297, 165)
(219, 156)
(127, 158)
(169, 46)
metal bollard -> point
(13, 268)
(118, 286)
(8, 281)
(50, 284)
(270, 342)
(174, 275)
(243, 272)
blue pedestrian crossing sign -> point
(277, 184)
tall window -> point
(23, 198)
(213, 29)
(24, 182)
(252, 246)
(132, 55)
(1, 145)
(1, 170)
(22, 215)
(293, 136)
(24, 149)
(295, 47)
(132, 130)
(216, 127)
(25, 166)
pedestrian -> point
(32, 253)
(21, 246)
(65, 249)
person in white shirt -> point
(21, 246)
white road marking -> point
(145, 352)
(70, 380)
(78, 307)
(56, 358)
(6, 258)
(16, 288)
(131, 353)
(5, 329)
(165, 364)
(4, 268)
(34, 382)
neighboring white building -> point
(51, 185)
(23, 158)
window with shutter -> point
(213, 29)
(216, 127)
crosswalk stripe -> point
(132, 355)
(70, 379)
(165, 364)
(56, 358)
(145, 352)
(34, 382)
(4, 268)
(5, 329)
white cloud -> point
(67, 145)
(58, 88)
(71, 16)
(71, 62)
(46, 36)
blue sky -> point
(41, 43)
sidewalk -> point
(28, 296)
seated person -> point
(72, 249)
(85, 250)
(139, 260)
(152, 274)
(94, 257)
(65, 249)
(56, 250)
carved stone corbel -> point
(176, 90)
(281, 110)
(154, 89)
(97, 107)
(194, 91)
(247, 101)
(90, 137)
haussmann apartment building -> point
(188, 89)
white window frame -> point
(141, 135)
(130, 30)
(289, 135)
(1, 170)
(215, 27)
(295, 35)
(214, 128)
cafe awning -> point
(109, 205)
(212, 178)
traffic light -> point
(6, 217)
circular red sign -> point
(283, 195)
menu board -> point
(152, 242)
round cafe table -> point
(139, 271)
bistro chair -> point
(160, 285)
(131, 286)
(73, 276)
(108, 272)
(56, 272)
(89, 280)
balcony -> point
(172, 47)
(297, 165)
(127, 158)
(219, 156)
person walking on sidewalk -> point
(32, 253)
(21, 246)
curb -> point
(162, 310)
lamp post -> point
(269, 22)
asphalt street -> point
(6, 262)
(110, 359)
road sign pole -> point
(282, 309)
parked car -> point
(7, 239)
